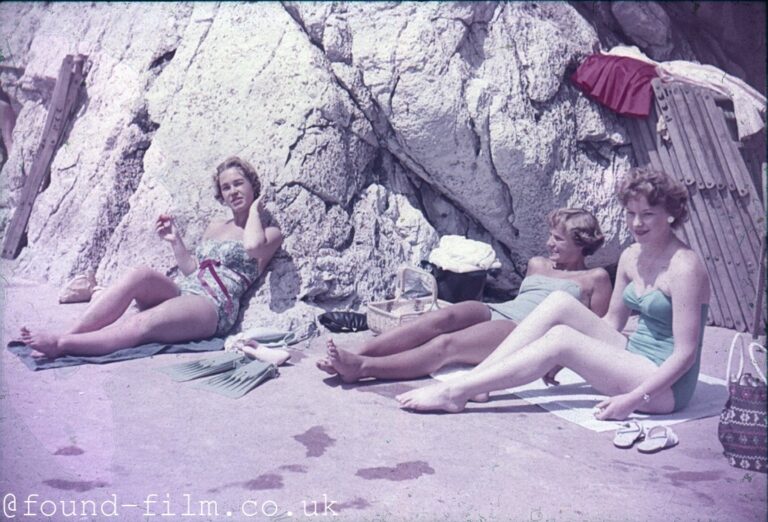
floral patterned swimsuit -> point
(225, 272)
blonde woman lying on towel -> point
(656, 369)
(206, 302)
(468, 332)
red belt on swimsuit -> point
(210, 265)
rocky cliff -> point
(376, 127)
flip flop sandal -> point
(628, 433)
(657, 439)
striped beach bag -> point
(743, 427)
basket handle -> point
(401, 283)
(751, 353)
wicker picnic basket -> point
(385, 315)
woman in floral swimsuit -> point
(206, 302)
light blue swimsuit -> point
(533, 291)
(653, 337)
(225, 271)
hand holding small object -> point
(165, 226)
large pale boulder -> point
(376, 127)
(647, 25)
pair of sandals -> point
(650, 440)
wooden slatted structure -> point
(63, 103)
(727, 223)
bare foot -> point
(347, 365)
(275, 356)
(325, 365)
(435, 397)
(45, 343)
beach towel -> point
(620, 83)
(24, 353)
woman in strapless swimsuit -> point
(204, 303)
(468, 332)
(656, 369)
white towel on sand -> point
(574, 400)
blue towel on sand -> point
(145, 350)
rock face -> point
(647, 24)
(376, 129)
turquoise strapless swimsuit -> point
(653, 337)
(533, 291)
(225, 271)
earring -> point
(670, 220)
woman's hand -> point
(549, 377)
(258, 203)
(165, 226)
(618, 407)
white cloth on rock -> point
(460, 255)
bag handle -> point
(736, 337)
(752, 347)
(750, 352)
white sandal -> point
(657, 439)
(628, 433)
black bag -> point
(340, 322)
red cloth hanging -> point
(620, 83)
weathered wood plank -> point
(684, 126)
(699, 136)
(743, 212)
(647, 139)
(712, 238)
(58, 114)
(693, 234)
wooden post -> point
(62, 104)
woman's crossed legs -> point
(469, 345)
(417, 334)
(166, 316)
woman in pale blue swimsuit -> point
(656, 369)
(205, 303)
(468, 332)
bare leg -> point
(449, 319)
(609, 368)
(416, 333)
(559, 308)
(470, 345)
(183, 318)
(147, 286)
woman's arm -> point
(260, 242)
(166, 228)
(618, 313)
(601, 293)
(689, 290)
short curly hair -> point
(581, 225)
(658, 188)
(245, 168)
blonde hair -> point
(581, 225)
